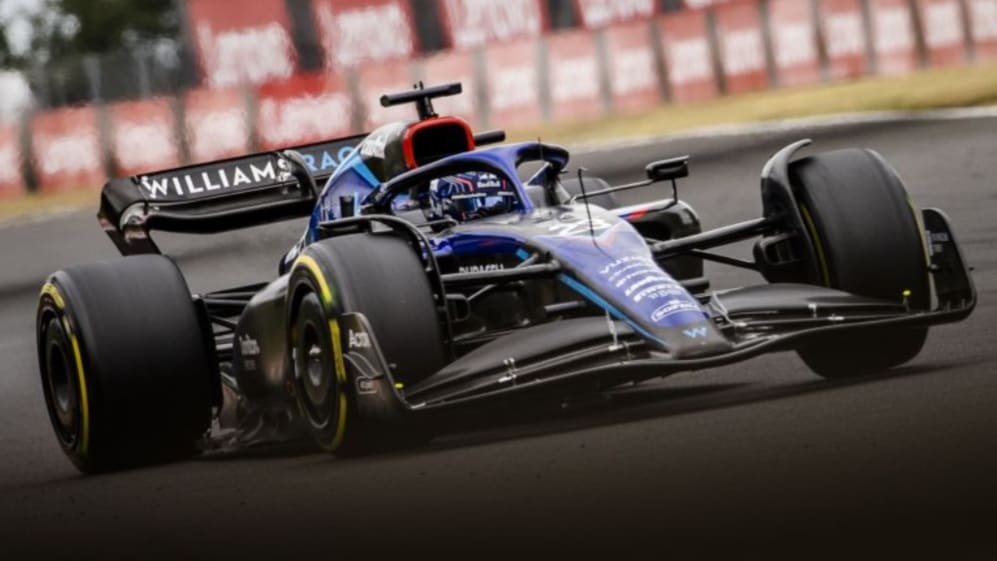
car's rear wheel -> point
(382, 278)
(126, 371)
(867, 241)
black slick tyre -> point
(126, 370)
(867, 240)
(382, 278)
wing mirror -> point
(668, 170)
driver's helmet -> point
(469, 195)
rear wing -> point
(219, 196)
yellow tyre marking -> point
(309, 263)
(821, 258)
(52, 292)
(337, 349)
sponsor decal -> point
(672, 307)
(366, 386)
(571, 226)
(359, 339)
(325, 161)
(694, 332)
(248, 346)
(483, 268)
(195, 183)
(373, 146)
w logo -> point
(695, 332)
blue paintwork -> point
(606, 260)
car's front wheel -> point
(868, 241)
(381, 278)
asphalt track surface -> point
(750, 459)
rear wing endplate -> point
(219, 196)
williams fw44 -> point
(437, 276)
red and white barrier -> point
(454, 66)
(742, 47)
(573, 76)
(473, 23)
(306, 108)
(633, 74)
(843, 27)
(893, 36)
(11, 178)
(143, 136)
(375, 81)
(216, 124)
(794, 42)
(242, 42)
(688, 58)
(66, 152)
(983, 27)
(513, 84)
(943, 32)
(497, 57)
(354, 32)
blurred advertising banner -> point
(794, 42)
(375, 81)
(573, 76)
(843, 26)
(11, 179)
(241, 42)
(742, 48)
(304, 109)
(143, 136)
(513, 84)
(983, 27)
(688, 58)
(65, 145)
(454, 66)
(472, 23)
(697, 4)
(355, 32)
(893, 36)
(633, 72)
(595, 14)
(217, 124)
(944, 36)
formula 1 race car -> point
(437, 276)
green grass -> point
(929, 89)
